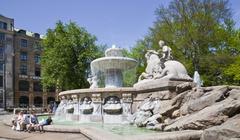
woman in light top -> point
(20, 121)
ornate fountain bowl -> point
(112, 106)
(112, 65)
(106, 63)
(114, 52)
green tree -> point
(233, 71)
(197, 31)
(68, 51)
(138, 53)
(129, 76)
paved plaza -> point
(6, 133)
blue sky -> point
(121, 22)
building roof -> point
(29, 33)
(6, 17)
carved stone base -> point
(164, 89)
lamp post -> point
(4, 84)
(4, 74)
(3, 61)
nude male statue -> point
(166, 51)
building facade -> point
(20, 69)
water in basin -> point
(119, 129)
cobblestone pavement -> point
(6, 133)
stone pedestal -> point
(163, 89)
(158, 84)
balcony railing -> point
(30, 76)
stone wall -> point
(212, 109)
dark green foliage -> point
(202, 36)
(68, 51)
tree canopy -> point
(202, 36)
(68, 51)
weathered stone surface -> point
(157, 127)
(228, 130)
(164, 106)
(141, 118)
(208, 117)
(141, 97)
(148, 105)
(157, 105)
(168, 107)
(184, 87)
(234, 94)
(151, 85)
(196, 109)
(176, 114)
(145, 112)
(163, 95)
(207, 99)
(191, 95)
(157, 118)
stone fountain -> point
(112, 103)
(165, 98)
(162, 80)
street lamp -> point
(4, 84)
(3, 91)
(4, 73)
(3, 61)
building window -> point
(37, 72)
(23, 56)
(37, 46)
(23, 85)
(37, 58)
(1, 52)
(23, 69)
(1, 66)
(37, 86)
(1, 99)
(38, 101)
(37, 35)
(3, 25)
(2, 36)
(24, 43)
(1, 81)
(23, 101)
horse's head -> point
(151, 54)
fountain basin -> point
(105, 63)
(98, 91)
(129, 97)
(98, 103)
